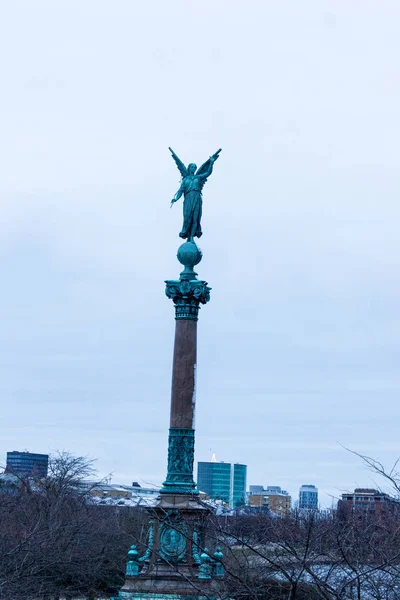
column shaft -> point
(183, 393)
(187, 295)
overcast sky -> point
(299, 347)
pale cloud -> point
(298, 349)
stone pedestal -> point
(176, 563)
(176, 566)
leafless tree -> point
(54, 541)
(309, 555)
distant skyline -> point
(298, 350)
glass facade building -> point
(223, 481)
(239, 484)
(308, 497)
(27, 464)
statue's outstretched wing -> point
(206, 166)
(182, 169)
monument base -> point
(171, 594)
(151, 596)
(176, 565)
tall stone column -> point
(176, 563)
(187, 294)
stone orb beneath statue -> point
(189, 254)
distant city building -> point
(223, 481)
(144, 491)
(108, 493)
(273, 498)
(239, 485)
(256, 489)
(308, 497)
(366, 501)
(123, 495)
(258, 500)
(27, 464)
(276, 489)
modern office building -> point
(27, 464)
(223, 481)
(239, 484)
(308, 497)
(273, 498)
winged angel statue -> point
(192, 183)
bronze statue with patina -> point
(192, 183)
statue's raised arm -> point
(191, 187)
(206, 168)
(182, 169)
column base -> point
(155, 596)
(180, 463)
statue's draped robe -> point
(192, 206)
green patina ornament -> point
(219, 570)
(192, 183)
(188, 292)
(205, 565)
(196, 545)
(132, 566)
(189, 255)
(172, 544)
(150, 543)
(187, 297)
(180, 463)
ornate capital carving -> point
(187, 295)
